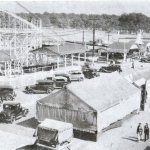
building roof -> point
(51, 124)
(45, 50)
(96, 94)
(6, 55)
(121, 46)
(67, 48)
(9, 141)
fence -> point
(30, 78)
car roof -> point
(63, 74)
(11, 103)
(74, 71)
(60, 77)
(44, 81)
(6, 86)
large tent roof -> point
(102, 92)
(95, 94)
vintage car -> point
(7, 92)
(110, 68)
(47, 85)
(58, 81)
(91, 73)
(42, 86)
(145, 59)
(76, 75)
(12, 111)
(63, 75)
(52, 134)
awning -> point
(140, 82)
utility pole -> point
(94, 19)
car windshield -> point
(9, 107)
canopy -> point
(134, 46)
(54, 130)
(50, 124)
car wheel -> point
(30, 91)
(64, 86)
(49, 91)
(9, 98)
(25, 113)
(2, 117)
(94, 75)
(81, 79)
(12, 120)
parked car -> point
(91, 73)
(7, 92)
(63, 75)
(58, 81)
(12, 111)
(42, 86)
(145, 59)
(76, 75)
(110, 68)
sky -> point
(116, 7)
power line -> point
(94, 19)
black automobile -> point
(63, 75)
(91, 73)
(58, 81)
(12, 111)
(110, 68)
(42, 86)
(7, 93)
(47, 85)
(145, 59)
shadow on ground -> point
(31, 123)
(147, 148)
(134, 139)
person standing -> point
(146, 132)
(139, 132)
(132, 64)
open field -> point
(77, 35)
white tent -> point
(139, 39)
(134, 46)
(91, 105)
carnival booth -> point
(93, 105)
(54, 134)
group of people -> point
(140, 132)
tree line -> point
(126, 22)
